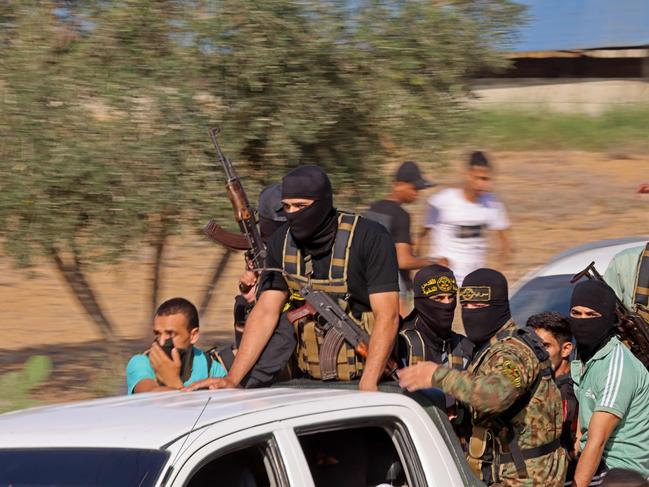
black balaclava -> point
(313, 227)
(428, 282)
(489, 287)
(271, 214)
(591, 334)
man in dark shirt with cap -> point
(308, 249)
(408, 182)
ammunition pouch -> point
(480, 455)
(485, 455)
(322, 353)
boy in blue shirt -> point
(175, 324)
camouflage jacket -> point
(505, 370)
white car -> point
(263, 437)
(549, 289)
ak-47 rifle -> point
(249, 239)
(633, 329)
(337, 326)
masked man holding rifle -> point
(348, 257)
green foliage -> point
(15, 387)
(622, 129)
(104, 108)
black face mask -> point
(480, 324)
(591, 334)
(438, 317)
(313, 227)
(489, 287)
(309, 224)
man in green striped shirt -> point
(611, 385)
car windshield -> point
(75, 467)
(546, 293)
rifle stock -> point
(217, 233)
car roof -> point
(577, 258)
(154, 420)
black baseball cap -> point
(409, 172)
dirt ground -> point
(556, 200)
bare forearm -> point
(380, 347)
(150, 385)
(588, 462)
(411, 262)
(422, 240)
(505, 247)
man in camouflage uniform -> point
(516, 406)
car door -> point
(250, 457)
(372, 446)
(369, 446)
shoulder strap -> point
(340, 256)
(456, 358)
(641, 290)
(416, 347)
(336, 281)
(208, 358)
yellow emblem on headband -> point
(442, 285)
(475, 293)
(446, 284)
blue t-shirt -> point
(139, 367)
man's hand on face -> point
(417, 376)
(212, 383)
(167, 370)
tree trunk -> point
(75, 278)
(159, 246)
(214, 280)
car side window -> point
(252, 464)
(341, 455)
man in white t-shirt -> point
(457, 220)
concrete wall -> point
(583, 95)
